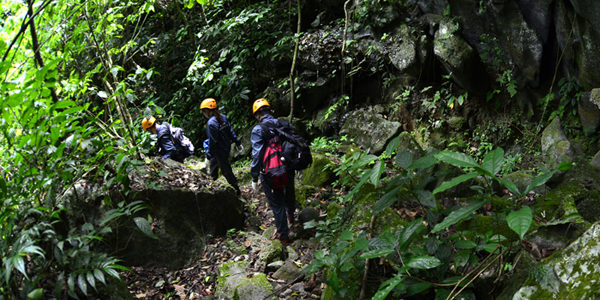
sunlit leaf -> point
(520, 221)
(145, 227)
(493, 161)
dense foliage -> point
(78, 77)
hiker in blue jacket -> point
(166, 146)
(282, 200)
(220, 136)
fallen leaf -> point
(248, 243)
(140, 296)
(180, 291)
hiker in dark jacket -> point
(165, 144)
(220, 136)
(282, 200)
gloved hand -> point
(239, 148)
(255, 186)
(206, 162)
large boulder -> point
(556, 148)
(460, 59)
(320, 172)
(236, 279)
(370, 130)
(568, 274)
(588, 108)
(163, 219)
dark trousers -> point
(283, 203)
(222, 163)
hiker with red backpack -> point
(171, 141)
(220, 136)
(277, 179)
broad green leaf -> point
(99, 275)
(461, 257)
(519, 221)
(490, 247)
(465, 244)
(458, 215)
(377, 253)
(457, 159)
(81, 283)
(426, 198)
(454, 182)
(539, 180)
(493, 161)
(346, 235)
(386, 287)
(63, 104)
(424, 262)
(565, 166)
(424, 163)
(416, 288)
(391, 146)
(510, 186)
(407, 235)
(404, 159)
(376, 173)
(35, 294)
(385, 201)
(145, 227)
(389, 238)
(363, 161)
(89, 276)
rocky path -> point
(198, 280)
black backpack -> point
(295, 150)
(180, 140)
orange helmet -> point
(209, 103)
(147, 123)
(258, 104)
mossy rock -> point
(571, 273)
(254, 287)
(320, 173)
(302, 194)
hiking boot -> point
(286, 242)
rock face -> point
(370, 130)
(165, 218)
(555, 145)
(570, 274)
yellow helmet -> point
(209, 103)
(258, 104)
(147, 123)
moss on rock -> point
(320, 173)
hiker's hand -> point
(255, 186)
(239, 148)
(206, 162)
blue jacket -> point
(258, 139)
(219, 141)
(165, 145)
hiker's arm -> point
(212, 131)
(257, 144)
(165, 143)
